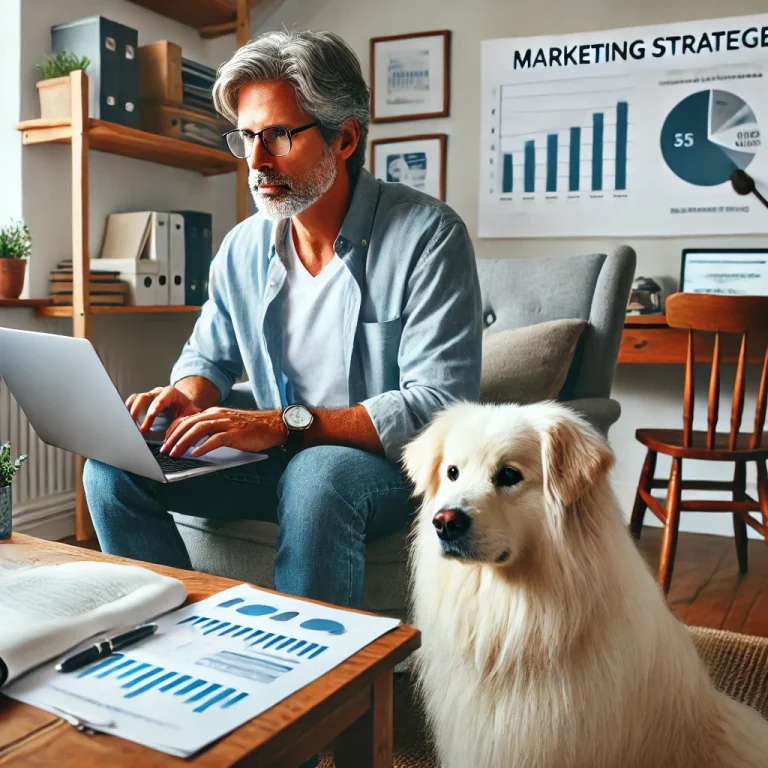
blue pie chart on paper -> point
(708, 135)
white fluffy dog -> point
(546, 642)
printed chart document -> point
(209, 668)
(46, 610)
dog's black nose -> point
(450, 524)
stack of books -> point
(176, 96)
(104, 288)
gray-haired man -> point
(353, 307)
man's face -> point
(284, 186)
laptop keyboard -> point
(170, 464)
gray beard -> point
(303, 192)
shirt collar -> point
(357, 225)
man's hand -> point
(158, 400)
(251, 431)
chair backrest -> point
(742, 315)
(595, 288)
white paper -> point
(642, 146)
(47, 610)
(210, 667)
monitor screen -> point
(725, 271)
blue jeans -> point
(328, 501)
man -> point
(352, 301)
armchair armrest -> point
(601, 412)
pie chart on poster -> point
(708, 135)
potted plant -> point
(8, 470)
(53, 88)
(15, 247)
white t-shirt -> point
(313, 318)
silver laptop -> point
(70, 401)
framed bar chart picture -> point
(623, 132)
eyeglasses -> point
(276, 139)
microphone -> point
(744, 184)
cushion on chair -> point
(529, 364)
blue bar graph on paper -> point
(506, 177)
(574, 160)
(530, 166)
(136, 679)
(597, 151)
(622, 109)
(552, 162)
(259, 639)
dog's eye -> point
(453, 472)
(506, 477)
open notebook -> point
(46, 610)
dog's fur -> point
(546, 642)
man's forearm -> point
(347, 426)
(201, 391)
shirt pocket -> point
(379, 350)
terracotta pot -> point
(54, 96)
(12, 273)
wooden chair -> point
(744, 315)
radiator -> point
(43, 491)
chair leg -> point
(739, 526)
(762, 493)
(669, 541)
(638, 511)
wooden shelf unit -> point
(83, 134)
(117, 139)
(30, 303)
(211, 18)
(68, 311)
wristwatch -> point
(297, 419)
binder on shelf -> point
(112, 75)
(198, 252)
(128, 62)
(140, 275)
(160, 73)
(176, 256)
(136, 244)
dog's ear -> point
(424, 454)
(574, 457)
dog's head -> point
(495, 478)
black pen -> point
(105, 648)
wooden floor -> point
(707, 590)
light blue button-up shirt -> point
(412, 325)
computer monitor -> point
(725, 271)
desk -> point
(648, 339)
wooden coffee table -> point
(350, 706)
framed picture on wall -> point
(418, 161)
(409, 76)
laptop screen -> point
(725, 271)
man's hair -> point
(324, 71)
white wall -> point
(650, 395)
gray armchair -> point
(595, 288)
(515, 293)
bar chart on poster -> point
(560, 139)
(624, 132)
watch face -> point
(298, 417)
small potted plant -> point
(15, 247)
(8, 470)
(53, 88)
